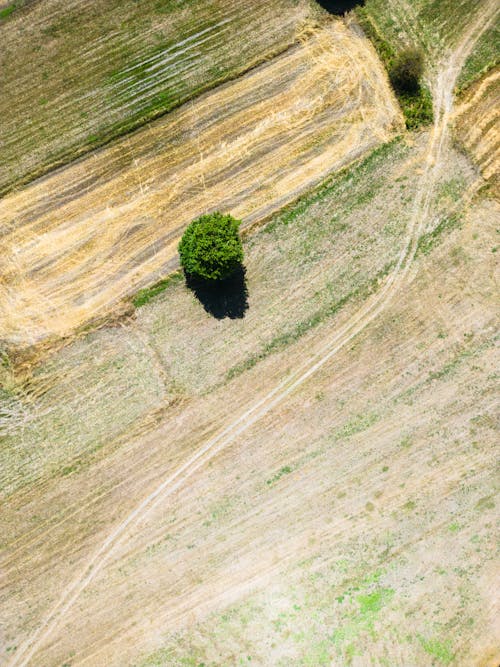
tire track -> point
(443, 103)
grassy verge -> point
(7, 11)
(486, 56)
(145, 295)
(417, 108)
(427, 241)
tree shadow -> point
(340, 6)
(223, 298)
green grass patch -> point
(417, 109)
(371, 603)
(442, 650)
(145, 295)
(285, 470)
(357, 424)
(427, 241)
(7, 11)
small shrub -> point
(406, 71)
(210, 248)
(417, 108)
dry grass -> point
(75, 74)
(478, 126)
(83, 238)
(290, 506)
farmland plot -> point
(77, 73)
(81, 239)
(337, 524)
(311, 484)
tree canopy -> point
(210, 248)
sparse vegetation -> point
(210, 248)
(405, 70)
(308, 485)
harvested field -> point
(478, 126)
(312, 484)
(83, 238)
(330, 524)
(353, 517)
(77, 73)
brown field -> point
(311, 483)
(371, 481)
(83, 238)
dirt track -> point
(80, 240)
(354, 326)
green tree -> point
(210, 248)
(406, 71)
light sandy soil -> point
(331, 505)
(78, 241)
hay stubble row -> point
(478, 125)
(83, 238)
(76, 74)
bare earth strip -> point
(407, 549)
(78, 73)
(80, 240)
